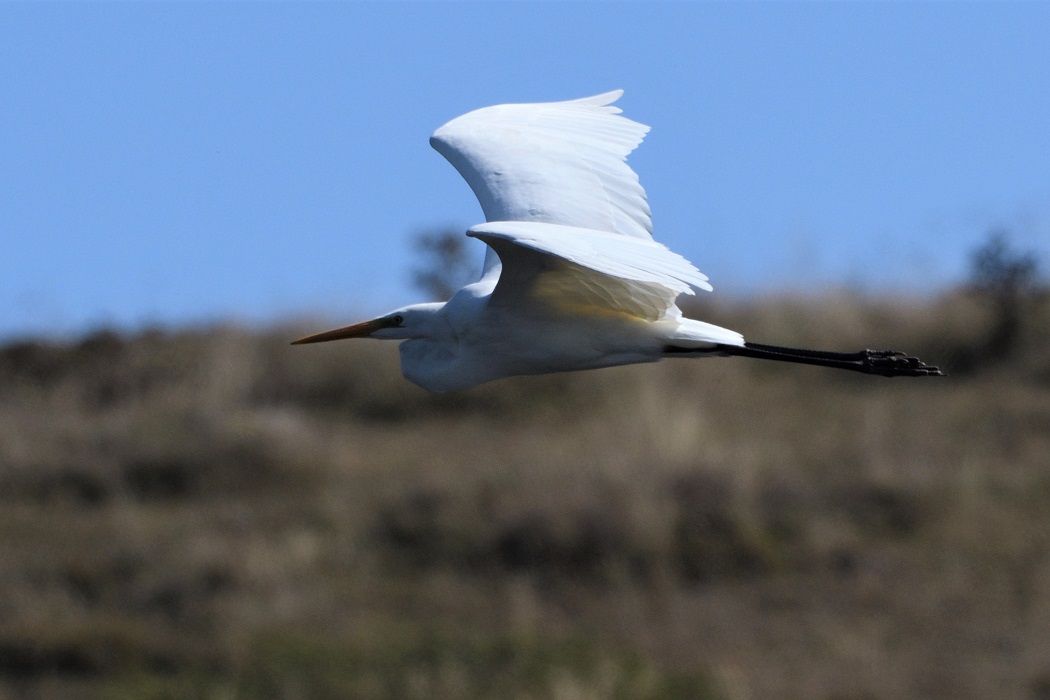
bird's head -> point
(415, 321)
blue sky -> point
(189, 163)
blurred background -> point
(191, 508)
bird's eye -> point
(398, 320)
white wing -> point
(554, 162)
(567, 216)
(574, 268)
(634, 259)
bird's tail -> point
(888, 363)
(691, 333)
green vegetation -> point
(212, 513)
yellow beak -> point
(358, 330)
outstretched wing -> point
(554, 162)
(573, 269)
(569, 227)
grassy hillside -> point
(212, 513)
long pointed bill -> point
(358, 330)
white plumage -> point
(614, 254)
(572, 278)
(553, 162)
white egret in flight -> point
(572, 277)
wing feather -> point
(635, 259)
(582, 270)
(553, 162)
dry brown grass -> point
(212, 513)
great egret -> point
(572, 277)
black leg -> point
(888, 363)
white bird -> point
(572, 278)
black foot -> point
(891, 363)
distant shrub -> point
(446, 263)
(1009, 282)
